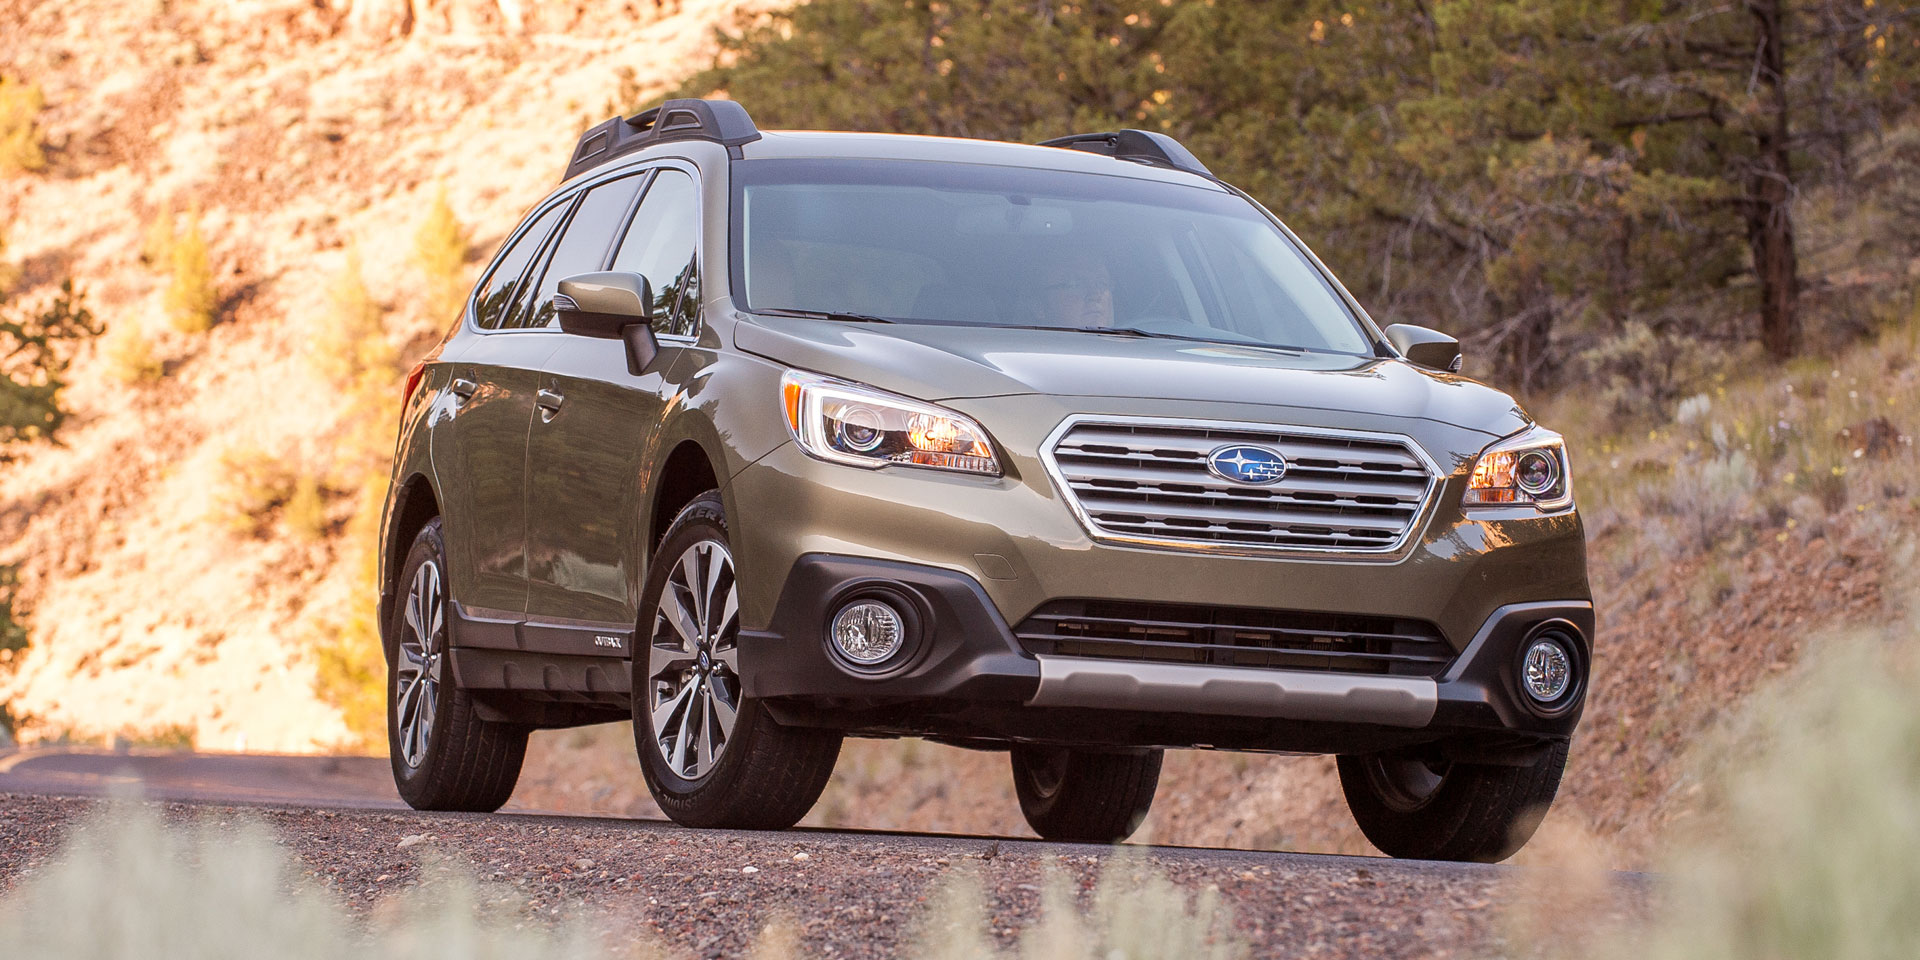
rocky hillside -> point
(168, 602)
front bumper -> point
(965, 677)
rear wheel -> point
(444, 756)
(1085, 796)
(712, 757)
(1414, 806)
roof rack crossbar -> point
(1139, 146)
(721, 121)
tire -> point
(1416, 809)
(723, 761)
(1085, 796)
(444, 756)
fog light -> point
(1547, 671)
(867, 631)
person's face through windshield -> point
(1074, 290)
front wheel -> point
(1417, 807)
(712, 757)
(1085, 796)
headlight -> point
(853, 424)
(1528, 468)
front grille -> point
(1235, 637)
(1148, 482)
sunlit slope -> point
(169, 596)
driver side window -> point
(660, 245)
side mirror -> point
(1428, 348)
(611, 306)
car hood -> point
(939, 362)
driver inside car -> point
(1071, 288)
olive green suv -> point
(1072, 450)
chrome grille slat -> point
(1316, 464)
(1228, 535)
(1147, 482)
(1091, 494)
(1223, 515)
(1404, 490)
(1292, 446)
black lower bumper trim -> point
(963, 677)
(962, 648)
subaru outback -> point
(1072, 450)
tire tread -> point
(472, 764)
(1482, 813)
(770, 775)
(1103, 798)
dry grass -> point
(440, 249)
(192, 299)
(20, 106)
(130, 355)
(127, 886)
(1802, 840)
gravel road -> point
(708, 893)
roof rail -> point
(1139, 146)
(720, 121)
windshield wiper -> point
(1150, 335)
(824, 315)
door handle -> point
(549, 402)
(463, 389)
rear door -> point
(480, 454)
(591, 446)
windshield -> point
(953, 243)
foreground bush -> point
(129, 887)
(1806, 845)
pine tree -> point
(33, 362)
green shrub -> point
(192, 299)
(20, 105)
(33, 361)
(13, 629)
(440, 248)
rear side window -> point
(493, 302)
(584, 244)
(660, 247)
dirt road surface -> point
(708, 893)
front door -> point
(592, 443)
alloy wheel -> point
(1405, 782)
(422, 662)
(693, 664)
(1046, 769)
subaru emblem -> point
(1244, 463)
